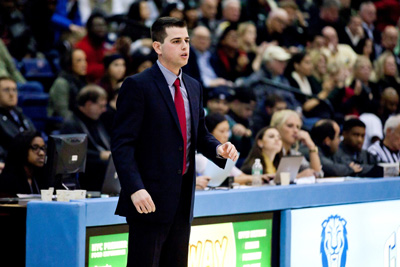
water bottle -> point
(257, 171)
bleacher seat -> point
(36, 67)
(35, 107)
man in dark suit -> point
(12, 121)
(157, 128)
(92, 101)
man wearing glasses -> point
(12, 120)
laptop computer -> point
(290, 164)
(111, 185)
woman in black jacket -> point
(23, 172)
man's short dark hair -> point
(6, 78)
(91, 93)
(158, 32)
(351, 123)
(244, 95)
(321, 130)
(271, 100)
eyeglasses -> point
(36, 148)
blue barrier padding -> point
(100, 211)
(55, 234)
(271, 198)
(286, 232)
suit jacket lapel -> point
(165, 92)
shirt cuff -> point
(216, 152)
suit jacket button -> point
(180, 148)
(179, 171)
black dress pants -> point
(159, 244)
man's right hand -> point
(142, 201)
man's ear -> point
(157, 47)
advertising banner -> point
(366, 234)
(241, 244)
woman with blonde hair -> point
(288, 123)
(247, 35)
(386, 72)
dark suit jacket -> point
(9, 128)
(147, 144)
(98, 140)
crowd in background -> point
(317, 78)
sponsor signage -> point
(241, 244)
(366, 234)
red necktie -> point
(180, 110)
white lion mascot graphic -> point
(334, 242)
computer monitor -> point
(66, 158)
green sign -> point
(253, 243)
(237, 244)
(108, 250)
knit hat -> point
(110, 58)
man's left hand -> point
(228, 151)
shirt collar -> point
(169, 76)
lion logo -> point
(334, 243)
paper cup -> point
(285, 178)
(79, 194)
(64, 195)
(47, 195)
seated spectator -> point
(273, 29)
(67, 17)
(217, 100)
(366, 48)
(326, 135)
(69, 82)
(288, 123)
(95, 47)
(231, 10)
(191, 15)
(15, 31)
(135, 27)
(296, 30)
(390, 36)
(208, 16)
(107, 118)
(247, 34)
(13, 121)
(24, 172)
(228, 62)
(92, 102)
(358, 97)
(320, 65)
(218, 126)
(199, 66)
(141, 60)
(115, 70)
(353, 33)
(239, 116)
(388, 150)
(388, 105)
(273, 66)
(267, 147)
(262, 116)
(328, 15)
(340, 54)
(350, 150)
(386, 72)
(173, 9)
(298, 72)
